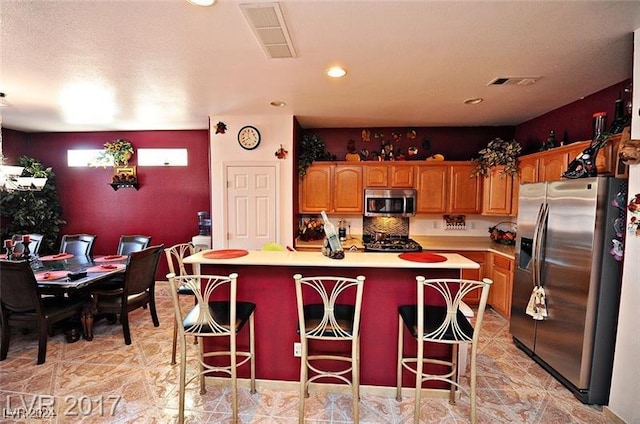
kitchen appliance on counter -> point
(567, 281)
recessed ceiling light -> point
(202, 2)
(277, 103)
(473, 101)
(336, 72)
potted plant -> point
(26, 212)
(498, 152)
(312, 148)
(119, 151)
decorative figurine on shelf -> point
(620, 117)
(352, 156)
(221, 127)
(550, 143)
(584, 165)
(8, 245)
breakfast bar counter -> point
(266, 279)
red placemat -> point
(422, 257)
(226, 254)
(51, 275)
(105, 268)
(110, 258)
(58, 257)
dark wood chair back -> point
(78, 244)
(22, 306)
(130, 244)
(140, 274)
(34, 242)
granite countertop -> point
(350, 260)
(433, 243)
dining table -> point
(65, 274)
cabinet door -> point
(529, 170)
(501, 289)
(474, 274)
(552, 166)
(376, 176)
(347, 189)
(497, 192)
(401, 176)
(465, 191)
(432, 187)
(315, 189)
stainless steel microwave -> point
(389, 202)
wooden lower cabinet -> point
(473, 274)
(502, 287)
(497, 193)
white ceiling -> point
(169, 64)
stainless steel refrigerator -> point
(567, 232)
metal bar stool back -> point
(329, 311)
(440, 321)
(217, 313)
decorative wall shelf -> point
(117, 186)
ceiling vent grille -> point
(514, 81)
(267, 22)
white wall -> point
(275, 130)
(625, 383)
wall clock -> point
(249, 137)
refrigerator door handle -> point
(534, 247)
(540, 235)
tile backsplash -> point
(432, 225)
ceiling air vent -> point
(514, 80)
(267, 22)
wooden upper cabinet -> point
(432, 188)
(551, 165)
(465, 191)
(376, 176)
(497, 192)
(332, 188)
(401, 176)
(315, 189)
(528, 170)
(388, 176)
(347, 189)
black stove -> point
(391, 244)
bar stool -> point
(329, 311)
(213, 317)
(175, 261)
(442, 323)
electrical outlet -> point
(297, 350)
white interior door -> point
(251, 206)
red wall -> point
(164, 207)
(455, 143)
(574, 118)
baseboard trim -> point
(383, 391)
(612, 416)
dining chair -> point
(217, 314)
(137, 291)
(175, 256)
(440, 321)
(328, 316)
(77, 244)
(35, 240)
(22, 305)
(133, 243)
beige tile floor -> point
(106, 381)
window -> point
(162, 157)
(83, 157)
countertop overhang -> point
(317, 259)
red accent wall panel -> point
(165, 205)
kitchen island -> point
(266, 278)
